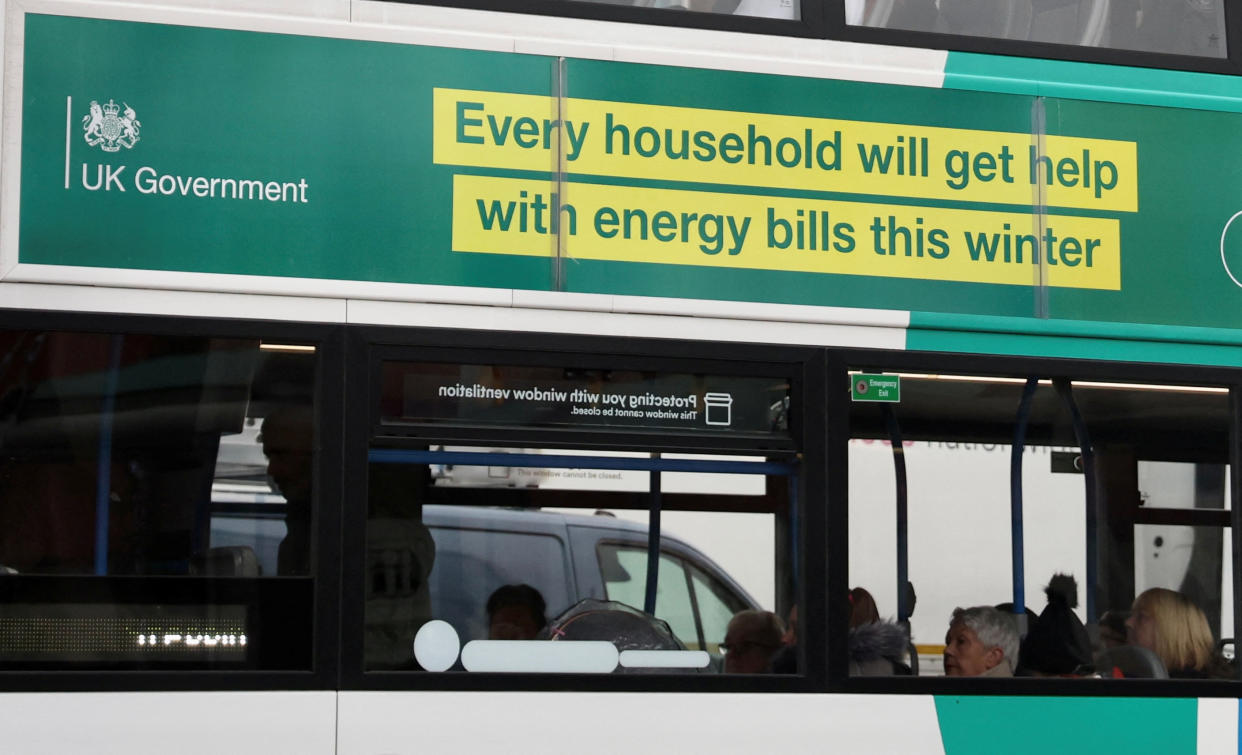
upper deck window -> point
(783, 9)
(1174, 27)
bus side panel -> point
(1086, 724)
(407, 723)
(158, 723)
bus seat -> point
(1132, 661)
(226, 561)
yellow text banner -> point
(708, 229)
(663, 143)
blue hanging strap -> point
(1087, 454)
(1016, 532)
(653, 544)
(903, 544)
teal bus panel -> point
(1039, 725)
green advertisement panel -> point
(236, 152)
(279, 155)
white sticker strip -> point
(1218, 726)
(665, 659)
(540, 656)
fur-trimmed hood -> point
(879, 639)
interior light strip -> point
(291, 348)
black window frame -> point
(346, 382)
(811, 24)
(325, 577)
(370, 346)
(825, 19)
(841, 361)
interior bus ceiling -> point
(1158, 424)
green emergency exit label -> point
(876, 388)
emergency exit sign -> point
(876, 388)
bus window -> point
(130, 459)
(494, 547)
(1178, 27)
(783, 9)
(458, 535)
(1118, 516)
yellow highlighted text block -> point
(707, 229)
(657, 142)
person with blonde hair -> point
(1170, 625)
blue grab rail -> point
(1017, 533)
(1087, 454)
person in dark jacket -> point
(1057, 644)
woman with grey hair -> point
(981, 641)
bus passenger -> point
(785, 660)
(401, 554)
(863, 609)
(515, 612)
(981, 641)
(876, 649)
(1057, 643)
(876, 646)
(790, 638)
(751, 639)
(1169, 624)
(1113, 629)
(287, 437)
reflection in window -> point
(626, 583)
(1160, 481)
(1179, 27)
(715, 608)
(132, 456)
(1182, 485)
(513, 546)
(463, 571)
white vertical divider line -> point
(1217, 732)
(68, 128)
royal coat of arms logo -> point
(110, 128)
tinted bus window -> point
(785, 9)
(152, 490)
(1178, 27)
(494, 548)
(1114, 559)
